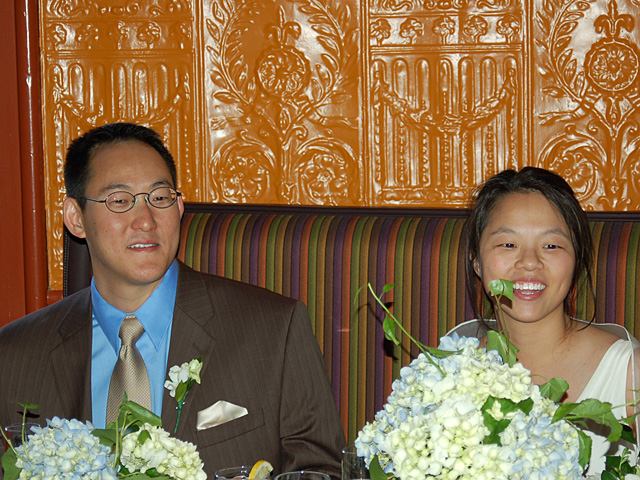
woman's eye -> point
(508, 245)
(551, 246)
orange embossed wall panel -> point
(378, 102)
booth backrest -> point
(324, 256)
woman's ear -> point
(477, 268)
(73, 217)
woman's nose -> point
(529, 259)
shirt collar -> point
(155, 314)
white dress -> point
(607, 384)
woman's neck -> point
(540, 343)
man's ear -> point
(180, 206)
(73, 217)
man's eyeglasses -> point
(120, 202)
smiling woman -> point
(527, 227)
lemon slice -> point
(261, 470)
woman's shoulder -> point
(605, 334)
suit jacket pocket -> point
(234, 428)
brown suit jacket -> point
(258, 351)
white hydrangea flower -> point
(64, 450)
(433, 427)
(169, 456)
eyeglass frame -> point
(135, 199)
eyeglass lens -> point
(162, 197)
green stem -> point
(179, 408)
(397, 322)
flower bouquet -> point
(134, 447)
(465, 412)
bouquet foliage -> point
(465, 412)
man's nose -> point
(143, 214)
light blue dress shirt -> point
(156, 316)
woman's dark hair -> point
(558, 192)
(77, 166)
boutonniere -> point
(181, 379)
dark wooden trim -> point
(324, 210)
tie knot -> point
(130, 330)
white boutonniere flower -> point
(181, 379)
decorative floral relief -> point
(69, 9)
(245, 170)
(603, 92)
(575, 156)
(88, 34)
(149, 33)
(135, 25)
(509, 27)
(445, 27)
(380, 29)
(57, 36)
(280, 92)
(410, 29)
(475, 27)
(325, 171)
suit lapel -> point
(191, 337)
(71, 358)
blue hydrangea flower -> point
(64, 450)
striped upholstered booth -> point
(323, 256)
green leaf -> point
(554, 389)
(591, 409)
(627, 433)
(389, 327)
(386, 288)
(436, 352)
(11, 472)
(147, 476)
(496, 427)
(497, 341)
(501, 288)
(376, 470)
(107, 436)
(584, 441)
(141, 414)
(143, 437)
(608, 476)
(28, 406)
(181, 391)
(525, 406)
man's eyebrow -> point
(114, 187)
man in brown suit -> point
(258, 351)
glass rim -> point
(147, 196)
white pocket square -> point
(219, 413)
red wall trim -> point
(32, 163)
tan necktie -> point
(130, 373)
